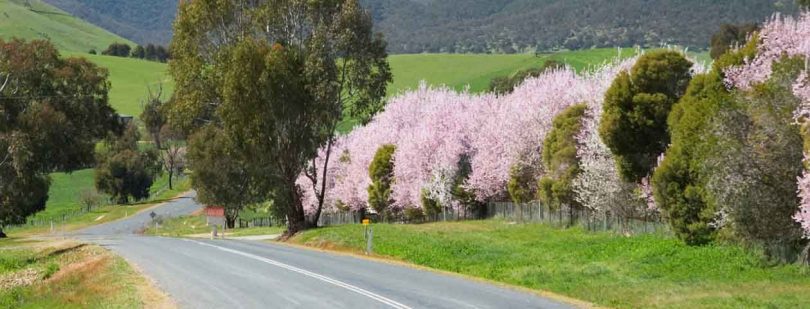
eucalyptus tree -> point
(277, 76)
(52, 113)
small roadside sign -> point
(215, 215)
(366, 221)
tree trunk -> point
(2, 235)
(170, 178)
(230, 217)
(296, 219)
(322, 196)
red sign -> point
(215, 211)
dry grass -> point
(88, 277)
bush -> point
(117, 49)
(728, 37)
(381, 172)
(634, 122)
(124, 171)
(759, 157)
(431, 208)
(679, 183)
(560, 159)
(521, 186)
(90, 199)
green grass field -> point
(132, 80)
(43, 21)
(63, 196)
(604, 268)
(458, 71)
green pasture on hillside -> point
(45, 22)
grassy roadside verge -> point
(102, 214)
(195, 225)
(603, 268)
(66, 274)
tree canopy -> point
(634, 122)
(53, 112)
(276, 77)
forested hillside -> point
(501, 26)
(144, 22)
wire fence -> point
(532, 212)
(66, 215)
(260, 222)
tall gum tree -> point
(278, 76)
(52, 112)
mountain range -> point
(487, 26)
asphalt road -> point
(250, 274)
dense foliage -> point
(505, 84)
(759, 157)
(151, 52)
(117, 50)
(634, 123)
(728, 37)
(219, 176)
(680, 179)
(124, 171)
(560, 159)
(277, 86)
(481, 26)
(458, 149)
(53, 111)
(381, 172)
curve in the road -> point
(252, 274)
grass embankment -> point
(603, 268)
(66, 274)
(99, 215)
(195, 225)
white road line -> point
(323, 278)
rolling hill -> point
(481, 26)
(43, 21)
(130, 78)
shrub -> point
(634, 121)
(728, 36)
(124, 171)
(414, 214)
(118, 50)
(381, 172)
(560, 159)
(754, 169)
(431, 207)
(521, 186)
(90, 199)
(679, 183)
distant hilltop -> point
(481, 26)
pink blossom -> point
(434, 127)
(803, 215)
(780, 36)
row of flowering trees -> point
(731, 142)
(434, 129)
